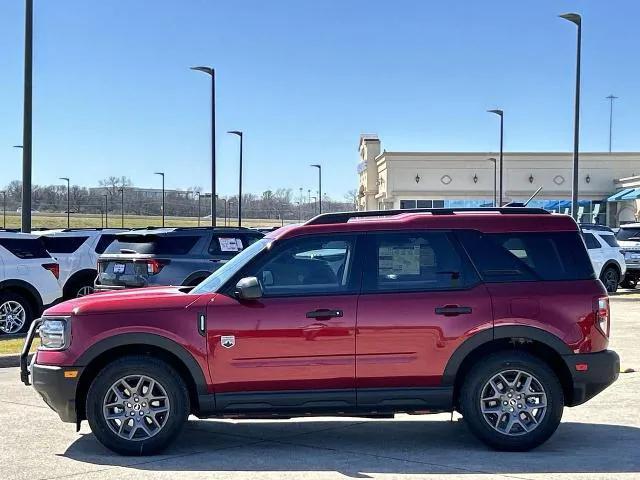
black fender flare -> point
(16, 283)
(497, 333)
(164, 343)
(80, 273)
(200, 274)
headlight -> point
(55, 333)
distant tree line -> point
(283, 203)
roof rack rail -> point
(217, 227)
(596, 227)
(343, 217)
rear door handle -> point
(453, 310)
(325, 313)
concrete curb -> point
(11, 360)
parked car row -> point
(42, 268)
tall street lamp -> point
(500, 113)
(27, 117)
(211, 72)
(319, 167)
(495, 188)
(577, 20)
(66, 179)
(121, 190)
(198, 195)
(239, 134)
(162, 175)
(106, 210)
(611, 98)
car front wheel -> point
(137, 405)
(512, 401)
(16, 313)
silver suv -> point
(169, 256)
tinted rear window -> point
(63, 244)
(25, 247)
(513, 257)
(153, 244)
(104, 242)
(628, 234)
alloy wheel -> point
(513, 402)
(12, 317)
(136, 407)
(610, 280)
(86, 290)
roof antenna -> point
(520, 204)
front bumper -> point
(591, 373)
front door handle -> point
(325, 313)
(453, 310)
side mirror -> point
(248, 288)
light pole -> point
(239, 134)
(315, 200)
(66, 179)
(500, 113)
(4, 209)
(211, 72)
(319, 167)
(198, 194)
(611, 98)
(121, 190)
(162, 175)
(27, 117)
(106, 210)
(495, 188)
(577, 20)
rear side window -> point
(423, 261)
(591, 241)
(104, 242)
(63, 244)
(518, 257)
(610, 240)
(153, 244)
(228, 245)
(25, 247)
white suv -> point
(77, 250)
(606, 256)
(28, 280)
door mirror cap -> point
(248, 288)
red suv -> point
(495, 313)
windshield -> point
(628, 234)
(218, 278)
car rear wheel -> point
(137, 405)
(16, 313)
(610, 278)
(512, 401)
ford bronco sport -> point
(494, 313)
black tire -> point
(610, 277)
(162, 373)
(29, 312)
(74, 285)
(479, 376)
(629, 283)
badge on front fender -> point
(227, 341)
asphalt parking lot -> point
(598, 440)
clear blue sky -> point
(113, 94)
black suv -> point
(169, 256)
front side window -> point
(228, 245)
(422, 261)
(309, 266)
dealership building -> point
(609, 183)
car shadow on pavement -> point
(355, 448)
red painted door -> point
(421, 299)
(294, 346)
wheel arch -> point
(85, 272)
(544, 345)
(27, 290)
(195, 276)
(102, 353)
(611, 263)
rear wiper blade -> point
(127, 250)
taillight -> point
(603, 314)
(154, 266)
(53, 268)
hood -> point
(138, 299)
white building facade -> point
(399, 180)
